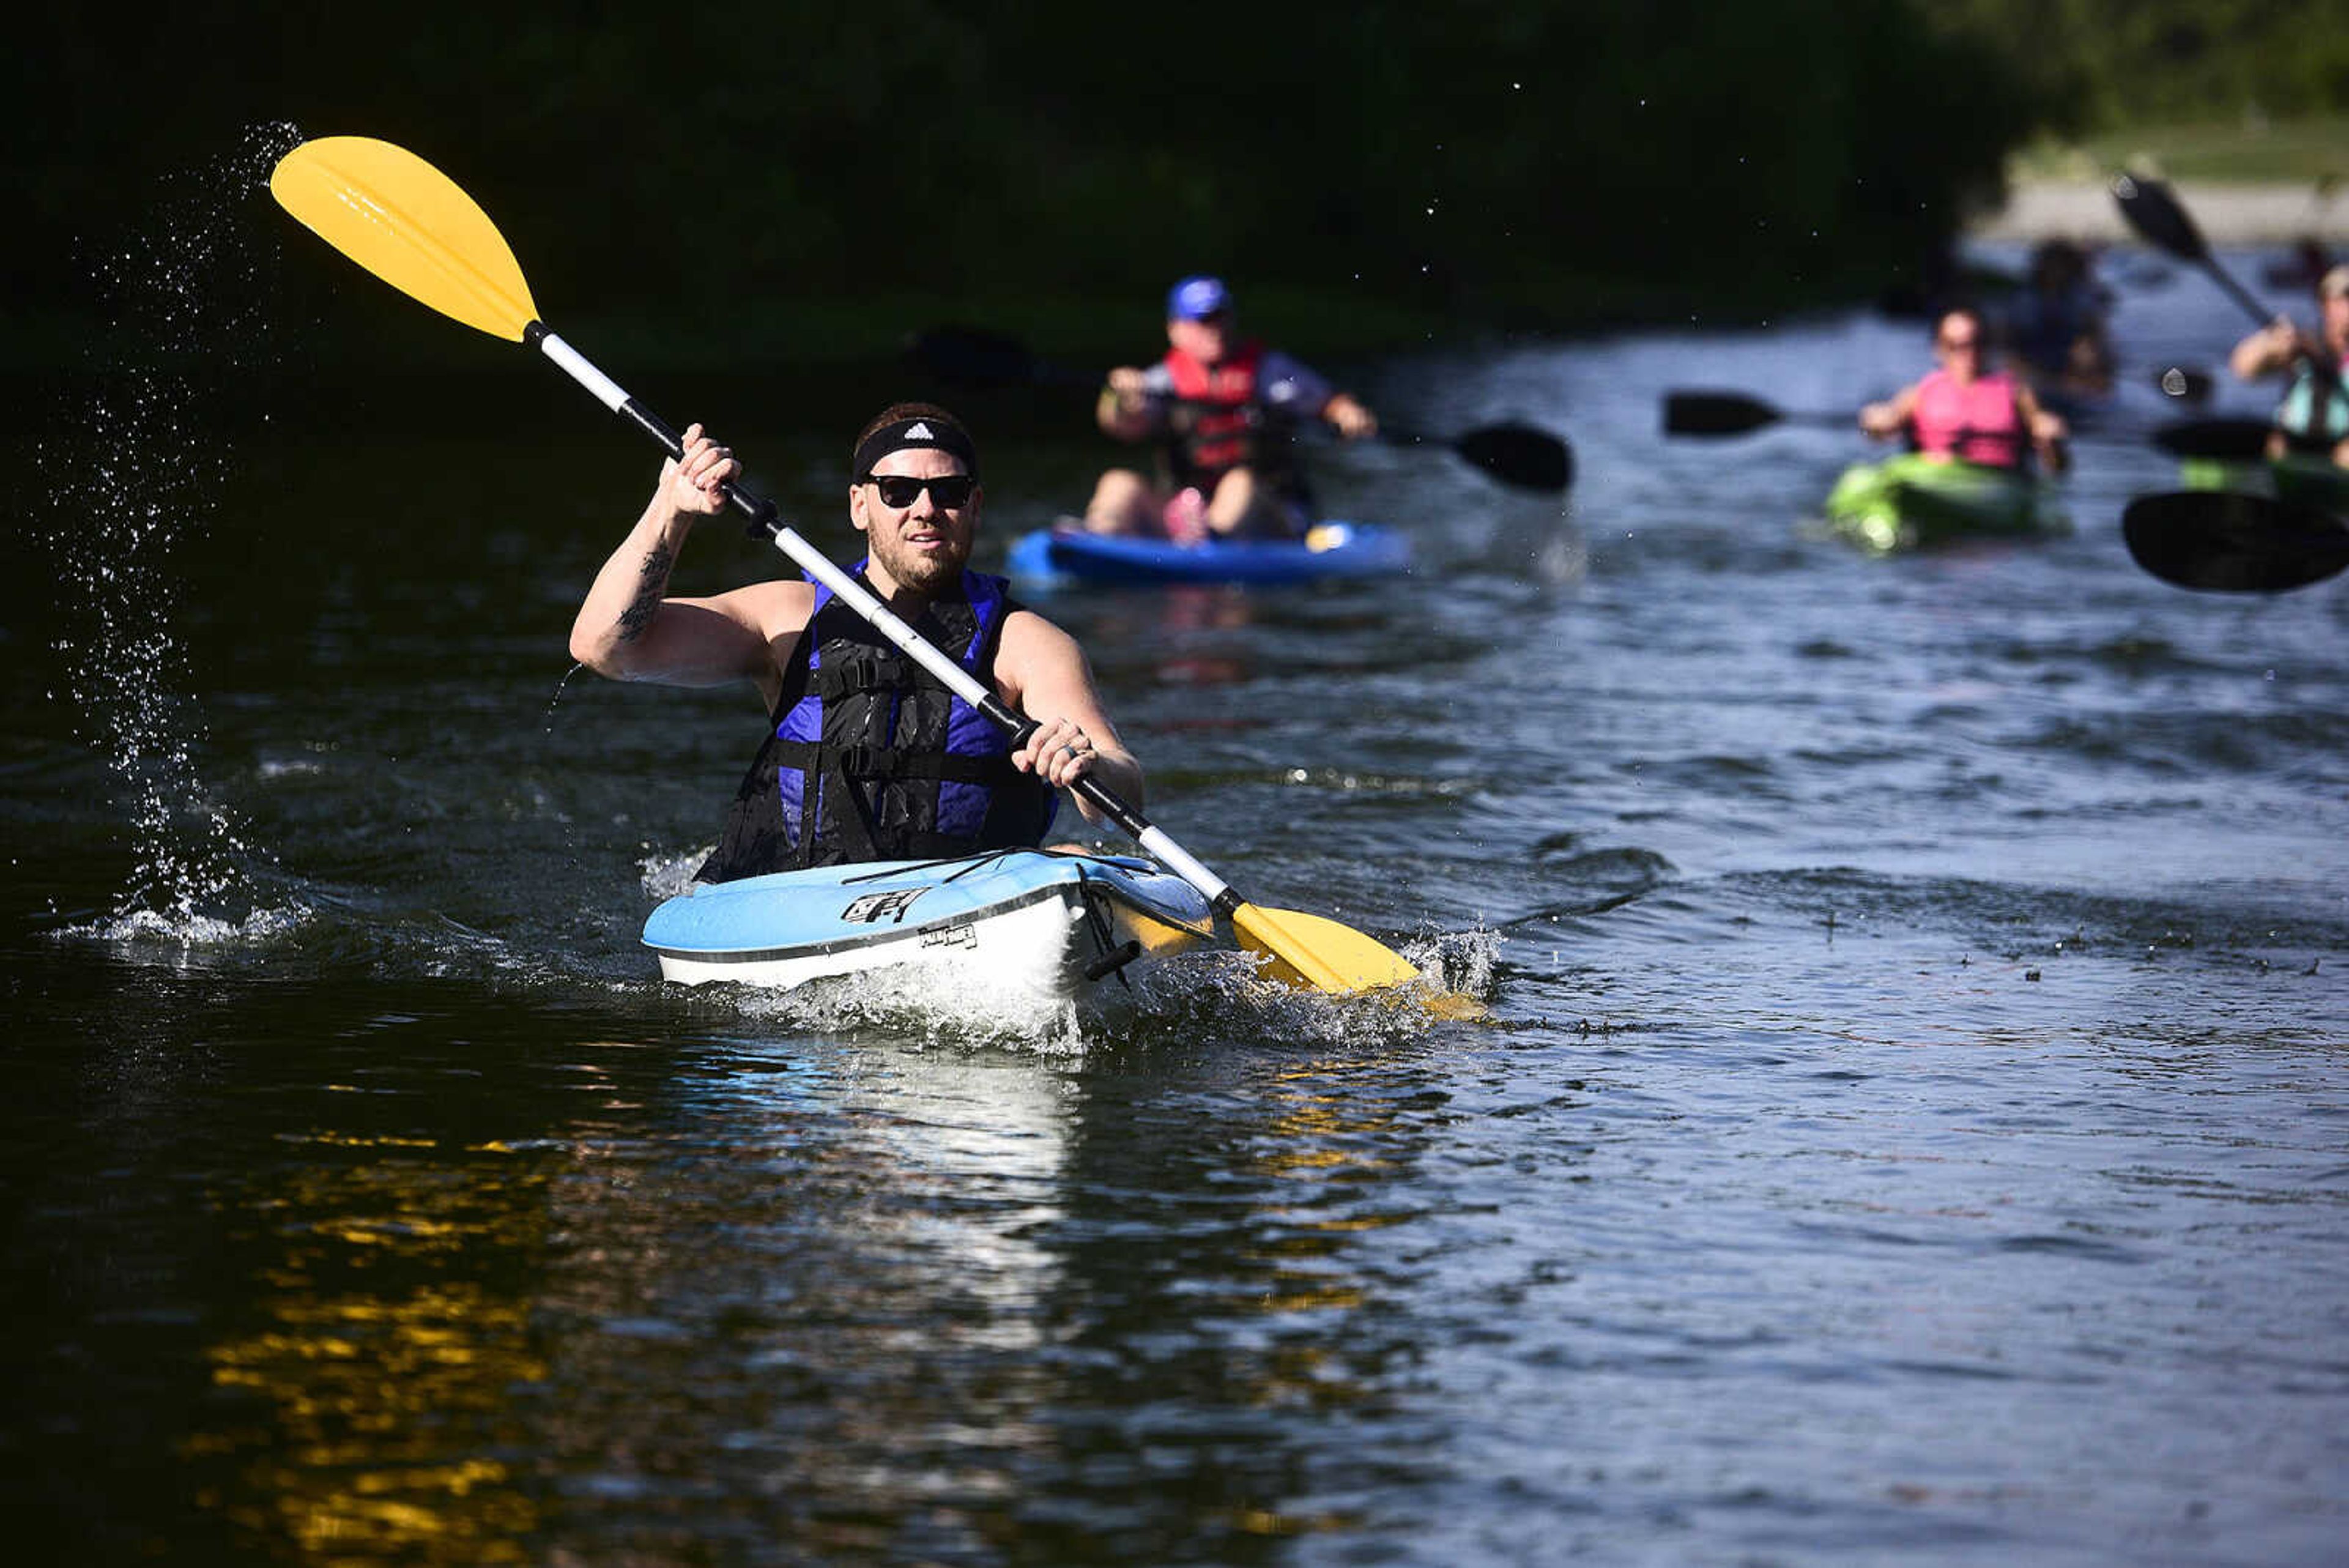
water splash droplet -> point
(184, 299)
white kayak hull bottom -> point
(991, 930)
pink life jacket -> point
(1977, 423)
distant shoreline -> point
(2229, 212)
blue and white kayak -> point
(1332, 549)
(1010, 923)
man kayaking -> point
(2056, 324)
(1223, 411)
(1961, 411)
(2314, 414)
(867, 756)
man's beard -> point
(922, 571)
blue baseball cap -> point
(1196, 298)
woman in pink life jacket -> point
(1223, 411)
(1963, 412)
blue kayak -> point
(1331, 550)
(1010, 923)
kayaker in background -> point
(867, 755)
(2308, 261)
(1963, 411)
(2314, 414)
(1223, 411)
(2055, 324)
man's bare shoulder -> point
(776, 608)
(1026, 633)
(1034, 653)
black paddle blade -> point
(1715, 413)
(2153, 211)
(2221, 441)
(2220, 542)
(1524, 455)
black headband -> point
(929, 430)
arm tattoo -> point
(646, 604)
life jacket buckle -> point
(857, 676)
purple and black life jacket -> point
(871, 757)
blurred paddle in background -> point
(1716, 414)
(2153, 210)
(2220, 439)
(2218, 540)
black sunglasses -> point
(951, 490)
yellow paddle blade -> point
(409, 223)
(1308, 951)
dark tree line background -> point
(1482, 163)
(2100, 64)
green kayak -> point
(1910, 503)
(2312, 481)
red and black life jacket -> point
(1221, 423)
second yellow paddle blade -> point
(409, 223)
(1308, 949)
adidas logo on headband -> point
(932, 431)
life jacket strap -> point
(870, 762)
(858, 676)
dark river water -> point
(1912, 1118)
